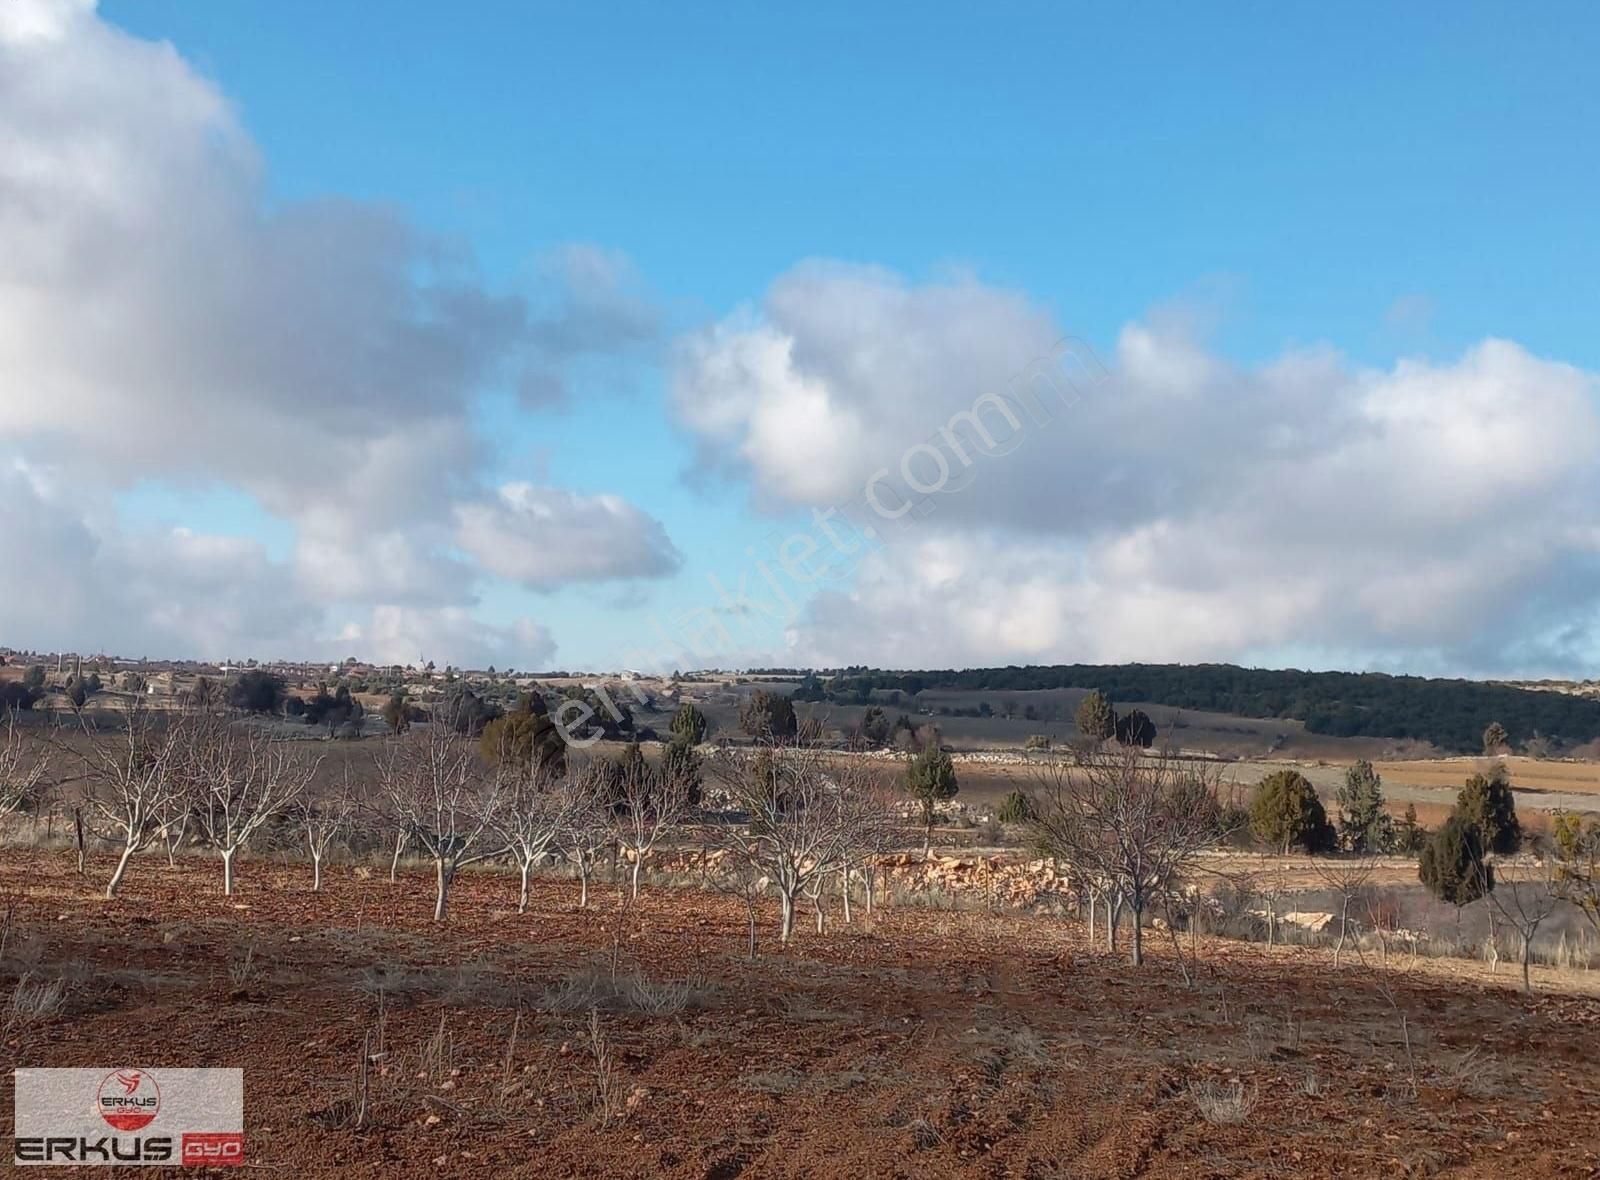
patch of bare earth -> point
(639, 1041)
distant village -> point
(352, 697)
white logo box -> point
(129, 1115)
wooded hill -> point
(1451, 714)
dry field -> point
(1541, 786)
(913, 1043)
(1531, 776)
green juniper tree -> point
(1453, 866)
(1096, 718)
(1486, 802)
(1285, 813)
(931, 780)
(768, 715)
(689, 725)
(1495, 739)
(1363, 822)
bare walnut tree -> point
(1524, 897)
(236, 780)
(130, 780)
(1130, 822)
(323, 822)
(436, 795)
(586, 831)
(22, 769)
(798, 819)
(645, 804)
(1348, 881)
(537, 806)
(869, 827)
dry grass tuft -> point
(608, 1101)
(594, 988)
(1222, 1103)
(35, 1000)
(242, 969)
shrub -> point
(1486, 802)
(768, 715)
(1015, 808)
(1409, 835)
(15, 696)
(689, 724)
(1136, 729)
(257, 691)
(333, 709)
(608, 713)
(1096, 718)
(1576, 848)
(464, 711)
(681, 761)
(1452, 864)
(1286, 813)
(524, 738)
(1495, 739)
(989, 833)
(875, 726)
(397, 713)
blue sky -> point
(1376, 181)
(1322, 164)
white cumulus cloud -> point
(162, 318)
(543, 537)
(1181, 507)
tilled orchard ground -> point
(911, 1043)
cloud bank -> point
(162, 318)
(1437, 514)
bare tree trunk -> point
(786, 915)
(442, 889)
(816, 902)
(583, 883)
(1344, 922)
(227, 871)
(522, 898)
(1494, 944)
(638, 863)
(122, 867)
(77, 826)
(316, 872)
(1527, 956)
(869, 881)
(1177, 947)
(1138, 935)
(394, 861)
(1092, 907)
(845, 893)
(752, 916)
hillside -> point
(1451, 714)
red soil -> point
(912, 1043)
